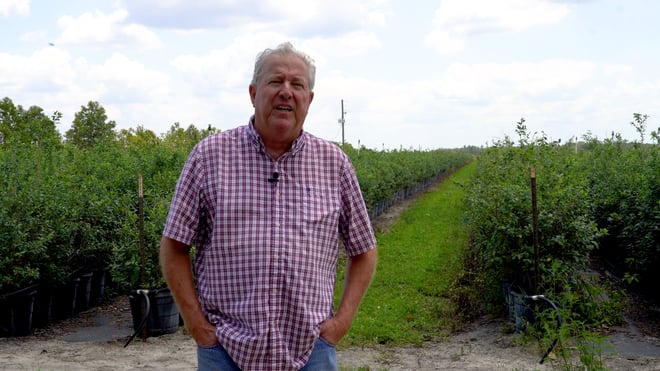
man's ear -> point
(253, 93)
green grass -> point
(418, 258)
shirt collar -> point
(256, 141)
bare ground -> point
(94, 340)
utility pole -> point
(342, 121)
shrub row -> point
(594, 197)
(69, 209)
(64, 208)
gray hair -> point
(285, 48)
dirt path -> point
(94, 340)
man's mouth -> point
(284, 108)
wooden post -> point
(143, 255)
(535, 232)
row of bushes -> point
(387, 176)
(70, 209)
(594, 197)
(66, 208)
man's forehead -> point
(278, 63)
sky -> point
(411, 74)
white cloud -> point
(227, 69)
(9, 7)
(35, 35)
(347, 45)
(559, 97)
(444, 42)
(478, 16)
(120, 80)
(455, 20)
(394, 94)
(479, 103)
(47, 78)
(99, 30)
(332, 19)
(477, 82)
(301, 17)
(46, 70)
(365, 13)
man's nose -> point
(285, 90)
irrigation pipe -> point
(145, 293)
(557, 318)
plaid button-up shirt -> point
(266, 251)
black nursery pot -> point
(64, 299)
(523, 310)
(16, 310)
(521, 307)
(163, 316)
(43, 306)
(98, 286)
(84, 292)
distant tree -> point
(139, 136)
(19, 126)
(639, 123)
(179, 137)
(655, 134)
(472, 149)
(91, 127)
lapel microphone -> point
(274, 178)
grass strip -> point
(418, 258)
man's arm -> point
(175, 263)
(359, 272)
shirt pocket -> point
(319, 207)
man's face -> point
(281, 98)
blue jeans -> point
(324, 357)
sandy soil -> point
(94, 340)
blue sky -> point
(421, 75)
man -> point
(264, 205)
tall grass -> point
(418, 258)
